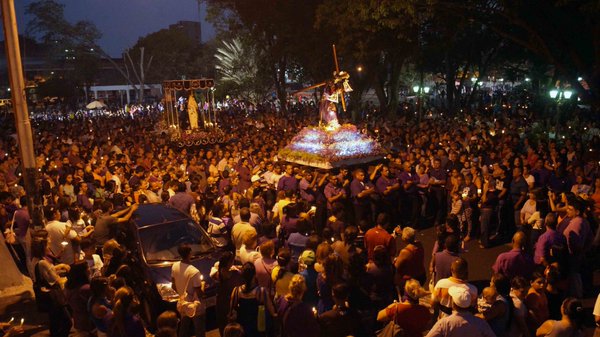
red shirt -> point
(413, 318)
(378, 236)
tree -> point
(562, 33)
(49, 24)
(381, 35)
(282, 30)
(238, 63)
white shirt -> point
(185, 274)
(57, 234)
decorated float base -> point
(196, 137)
(329, 147)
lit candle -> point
(22, 321)
(11, 320)
(314, 310)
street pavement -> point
(480, 262)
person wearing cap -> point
(462, 322)
(307, 265)
(412, 317)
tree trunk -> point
(450, 88)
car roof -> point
(152, 214)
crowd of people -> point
(312, 252)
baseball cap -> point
(255, 178)
(307, 257)
(460, 296)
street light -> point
(420, 92)
(560, 96)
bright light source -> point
(553, 93)
(416, 88)
(426, 89)
(580, 79)
(359, 69)
(527, 79)
(473, 79)
(500, 80)
(567, 94)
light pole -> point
(420, 91)
(560, 96)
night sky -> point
(122, 22)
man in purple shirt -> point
(387, 187)
(515, 262)
(410, 199)
(361, 199)
(437, 182)
(288, 182)
(578, 235)
(550, 238)
(334, 192)
(182, 200)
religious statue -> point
(192, 108)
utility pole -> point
(22, 123)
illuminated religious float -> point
(330, 145)
(202, 127)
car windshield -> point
(160, 242)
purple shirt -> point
(577, 233)
(383, 183)
(443, 264)
(287, 183)
(182, 201)
(405, 177)
(545, 242)
(21, 222)
(356, 187)
(331, 191)
(306, 193)
(513, 263)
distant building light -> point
(527, 79)
(579, 79)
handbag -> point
(392, 329)
(9, 234)
(185, 307)
(261, 319)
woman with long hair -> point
(50, 284)
(332, 274)
(124, 322)
(281, 276)
(250, 304)
(227, 277)
(570, 324)
(77, 290)
(296, 317)
(99, 305)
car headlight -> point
(166, 292)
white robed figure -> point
(192, 108)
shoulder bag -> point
(185, 307)
(392, 329)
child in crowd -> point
(488, 297)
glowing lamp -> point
(553, 93)
(416, 88)
(426, 90)
(567, 94)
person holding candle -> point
(187, 280)
(296, 317)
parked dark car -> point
(151, 238)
